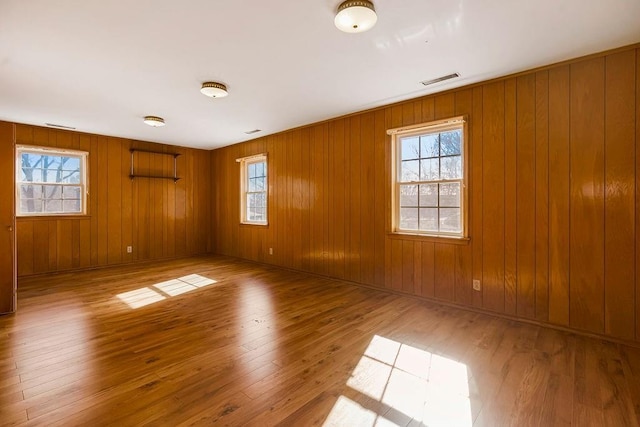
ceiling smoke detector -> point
(356, 16)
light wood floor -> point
(264, 346)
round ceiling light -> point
(214, 90)
(154, 121)
(356, 16)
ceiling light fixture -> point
(356, 16)
(154, 121)
(214, 90)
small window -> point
(50, 182)
(254, 190)
(429, 179)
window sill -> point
(254, 224)
(49, 217)
(430, 238)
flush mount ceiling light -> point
(214, 90)
(356, 16)
(154, 121)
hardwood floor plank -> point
(264, 346)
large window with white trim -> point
(429, 184)
(50, 181)
(254, 190)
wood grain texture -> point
(464, 254)
(559, 195)
(587, 195)
(475, 182)
(542, 198)
(510, 198)
(637, 198)
(493, 215)
(157, 218)
(526, 201)
(620, 169)
(8, 232)
(267, 346)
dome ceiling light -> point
(356, 16)
(154, 121)
(214, 90)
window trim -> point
(54, 151)
(420, 129)
(244, 163)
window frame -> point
(438, 126)
(245, 162)
(53, 151)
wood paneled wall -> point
(554, 197)
(7, 221)
(158, 218)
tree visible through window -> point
(429, 179)
(50, 182)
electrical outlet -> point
(270, 251)
(476, 285)
(129, 249)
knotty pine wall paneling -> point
(158, 218)
(554, 192)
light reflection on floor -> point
(431, 389)
(170, 288)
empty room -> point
(320, 213)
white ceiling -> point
(100, 66)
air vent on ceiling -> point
(53, 125)
(440, 79)
(249, 132)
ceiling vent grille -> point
(249, 132)
(440, 79)
(53, 125)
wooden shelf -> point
(139, 150)
(174, 178)
(134, 175)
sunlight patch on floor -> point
(170, 288)
(174, 287)
(346, 412)
(140, 297)
(431, 389)
(197, 280)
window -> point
(253, 190)
(429, 179)
(50, 182)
